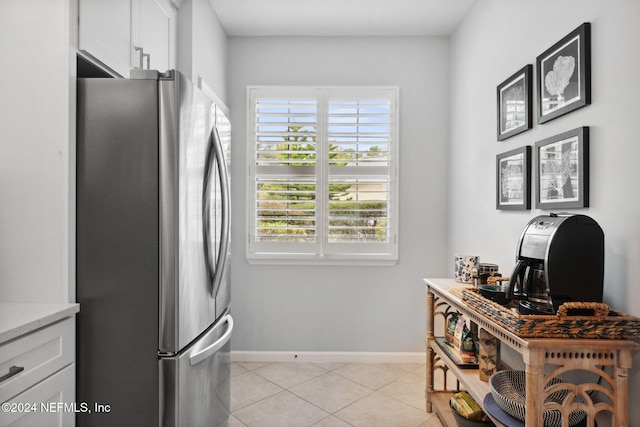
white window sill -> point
(339, 259)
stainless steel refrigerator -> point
(152, 253)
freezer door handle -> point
(207, 352)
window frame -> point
(315, 253)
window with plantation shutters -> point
(322, 181)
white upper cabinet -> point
(105, 32)
(152, 34)
(128, 34)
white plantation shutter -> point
(361, 214)
(285, 132)
(362, 129)
(322, 174)
(285, 210)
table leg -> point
(430, 353)
(534, 361)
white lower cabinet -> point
(38, 378)
(50, 403)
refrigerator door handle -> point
(207, 352)
(224, 189)
(206, 211)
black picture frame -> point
(562, 169)
(563, 74)
(514, 100)
(513, 179)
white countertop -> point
(19, 318)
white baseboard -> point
(326, 357)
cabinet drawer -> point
(50, 403)
(40, 354)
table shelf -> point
(469, 378)
(543, 359)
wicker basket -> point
(604, 323)
(509, 391)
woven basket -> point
(604, 323)
(509, 391)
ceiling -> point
(340, 17)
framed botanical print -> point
(514, 104)
(563, 74)
(513, 179)
(563, 170)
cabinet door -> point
(153, 31)
(105, 32)
(49, 403)
(36, 356)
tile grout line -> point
(405, 373)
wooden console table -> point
(610, 359)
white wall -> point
(37, 151)
(323, 308)
(497, 38)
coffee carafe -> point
(559, 258)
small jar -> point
(482, 271)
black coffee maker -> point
(560, 258)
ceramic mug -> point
(463, 266)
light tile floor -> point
(301, 394)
